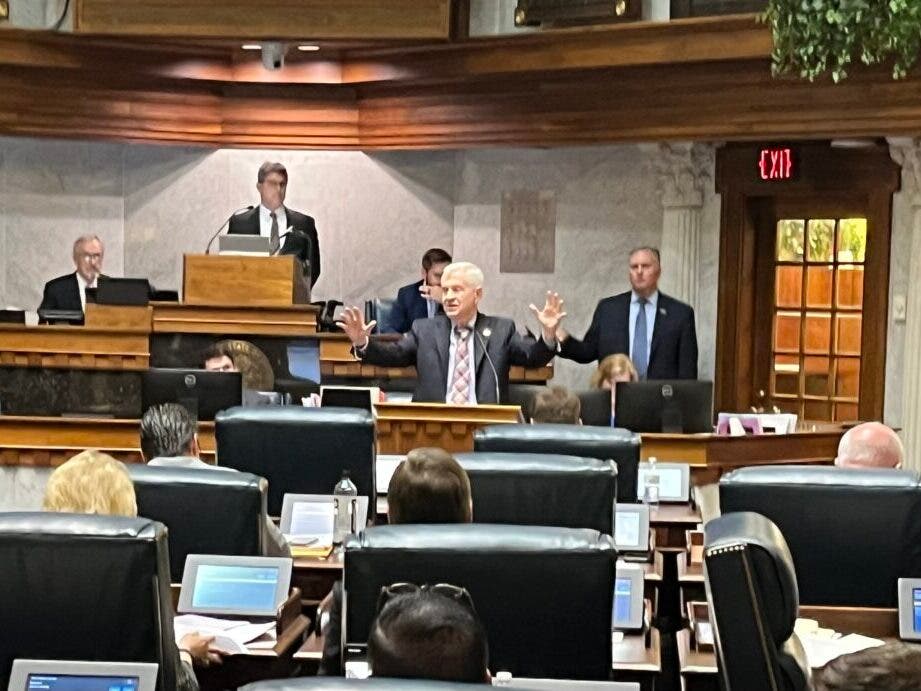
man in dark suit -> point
(272, 219)
(461, 356)
(422, 299)
(68, 292)
(655, 330)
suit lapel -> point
(659, 325)
(443, 347)
(479, 350)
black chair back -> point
(206, 511)
(606, 444)
(85, 587)
(596, 407)
(751, 587)
(543, 594)
(343, 684)
(852, 531)
(541, 489)
(299, 450)
(380, 310)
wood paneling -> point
(64, 347)
(278, 19)
(233, 280)
(295, 322)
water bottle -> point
(344, 494)
(651, 486)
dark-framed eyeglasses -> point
(454, 592)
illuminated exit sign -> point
(776, 163)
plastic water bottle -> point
(651, 487)
(344, 494)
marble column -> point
(683, 170)
(907, 153)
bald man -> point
(870, 445)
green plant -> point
(813, 37)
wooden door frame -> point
(870, 177)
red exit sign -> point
(776, 163)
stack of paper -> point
(231, 636)
(824, 645)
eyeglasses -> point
(454, 592)
(91, 257)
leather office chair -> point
(751, 587)
(541, 489)
(543, 594)
(206, 511)
(381, 310)
(299, 450)
(523, 395)
(852, 531)
(85, 587)
(618, 445)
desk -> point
(670, 522)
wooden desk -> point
(670, 522)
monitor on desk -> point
(234, 586)
(122, 291)
(910, 609)
(674, 481)
(680, 406)
(627, 609)
(201, 392)
(631, 528)
(363, 397)
(71, 675)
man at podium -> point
(461, 356)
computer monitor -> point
(363, 397)
(71, 675)
(627, 608)
(310, 518)
(122, 291)
(910, 609)
(631, 528)
(596, 407)
(234, 586)
(201, 392)
(674, 481)
(12, 317)
(680, 406)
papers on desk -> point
(231, 636)
(824, 645)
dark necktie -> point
(640, 348)
(274, 242)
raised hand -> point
(431, 292)
(551, 315)
(352, 322)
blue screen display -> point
(69, 682)
(235, 587)
(916, 608)
(621, 609)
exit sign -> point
(776, 163)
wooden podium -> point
(233, 280)
(402, 427)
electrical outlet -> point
(899, 308)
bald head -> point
(870, 445)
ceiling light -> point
(251, 46)
(308, 48)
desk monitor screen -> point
(631, 527)
(674, 481)
(362, 397)
(910, 609)
(122, 291)
(681, 406)
(69, 675)
(225, 585)
(308, 516)
(201, 392)
(627, 606)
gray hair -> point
(167, 430)
(83, 239)
(870, 445)
(654, 251)
(271, 167)
(473, 275)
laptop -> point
(309, 519)
(73, 675)
(232, 586)
(244, 244)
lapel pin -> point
(662, 311)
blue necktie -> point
(640, 354)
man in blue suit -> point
(421, 299)
(655, 330)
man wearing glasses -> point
(69, 292)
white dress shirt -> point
(471, 362)
(652, 303)
(265, 221)
(82, 285)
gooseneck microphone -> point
(487, 332)
(224, 225)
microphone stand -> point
(224, 225)
(495, 374)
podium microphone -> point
(487, 332)
(224, 225)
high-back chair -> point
(541, 489)
(85, 587)
(751, 587)
(206, 511)
(299, 450)
(509, 572)
(606, 444)
(853, 532)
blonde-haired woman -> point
(613, 369)
(94, 482)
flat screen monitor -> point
(362, 397)
(680, 406)
(234, 586)
(627, 610)
(308, 519)
(596, 407)
(674, 481)
(631, 528)
(201, 392)
(122, 291)
(71, 675)
(12, 317)
(910, 609)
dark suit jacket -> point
(62, 293)
(673, 354)
(248, 224)
(409, 306)
(427, 346)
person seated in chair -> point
(422, 299)
(432, 632)
(612, 370)
(557, 404)
(169, 437)
(94, 482)
(68, 292)
(430, 486)
(870, 445)
(895, 666)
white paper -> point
(820, 651)
(231, 636)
